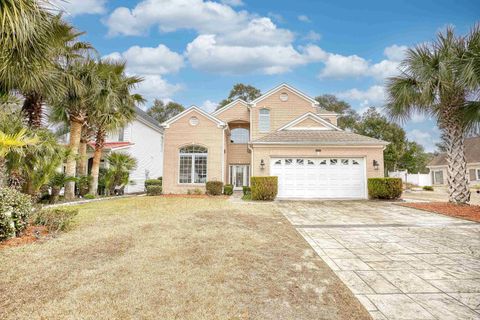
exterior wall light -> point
(376, 165)
(262, 164)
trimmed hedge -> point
(15, 210)
(384, 188)
(55, 219)
(228, 190)
(214, 188)
(264, 188)
(427, 188)
(247, 190)
(154, 190)
(153, 182)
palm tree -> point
(62, 48)
(115, 108)
(74, 106)
(24, 23)
(437, 80)
(118, 173)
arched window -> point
(193, 164)
(239, 135)
(264, 120)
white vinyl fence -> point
(419, 179)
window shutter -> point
(473, 176)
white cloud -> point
(154, 86)
(78, 7)
(312, 36)
(338, 66)
(426, 139)
(373, 96)
(171, 15)
(209, 106)
(207, 54)
(395, 52)
(148, 60)
(303, 18)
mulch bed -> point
(467, 212)
(31, 234)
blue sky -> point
(193, 51)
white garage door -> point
(319, 178)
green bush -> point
(82, 184)
(384, 188)
(89, 196)
(15, 210)
(55, 219)
(247, 190)
(427, 188)
(153, 182)
(214, 188)
(264, 188)
(228, 190)
(154, 190)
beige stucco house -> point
(438, 165)
(282, 133)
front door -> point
(239, 176)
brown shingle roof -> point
(472, 153)
(322, 137)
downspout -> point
(223, 154)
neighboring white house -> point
(143, 140)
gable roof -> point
(142, 115)
(167, 123)
(319, 137)
(310, 115)
(280, 87)
(228, 106)
(472, 153)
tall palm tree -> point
(115, 108)
(75, 106)
(62, 47)
(23, 25)
(434, 82)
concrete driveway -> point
(401, 263)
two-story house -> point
(282, 133)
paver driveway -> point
(401, 263)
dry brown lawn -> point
(173, 258)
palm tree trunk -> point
(82, 158)
(32, 108)
(458, 189)
(71, 165)
(97, 155)
(3, 172)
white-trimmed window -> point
(239, 135)
(193, 164)
(264, 120)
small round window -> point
(284, 96)
(193, 121)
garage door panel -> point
(320, 178)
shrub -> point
(197, 191)
(89, 196)
(154, 190)
(55, 219)
(214, 188)
(153, 182)
(15, 210)
(247, 190)
(264, 188)
(384, 188)
(82, 184)
(247, 197)
(427, 188)
(228, 190)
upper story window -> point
(239, 135)
(264, 120)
